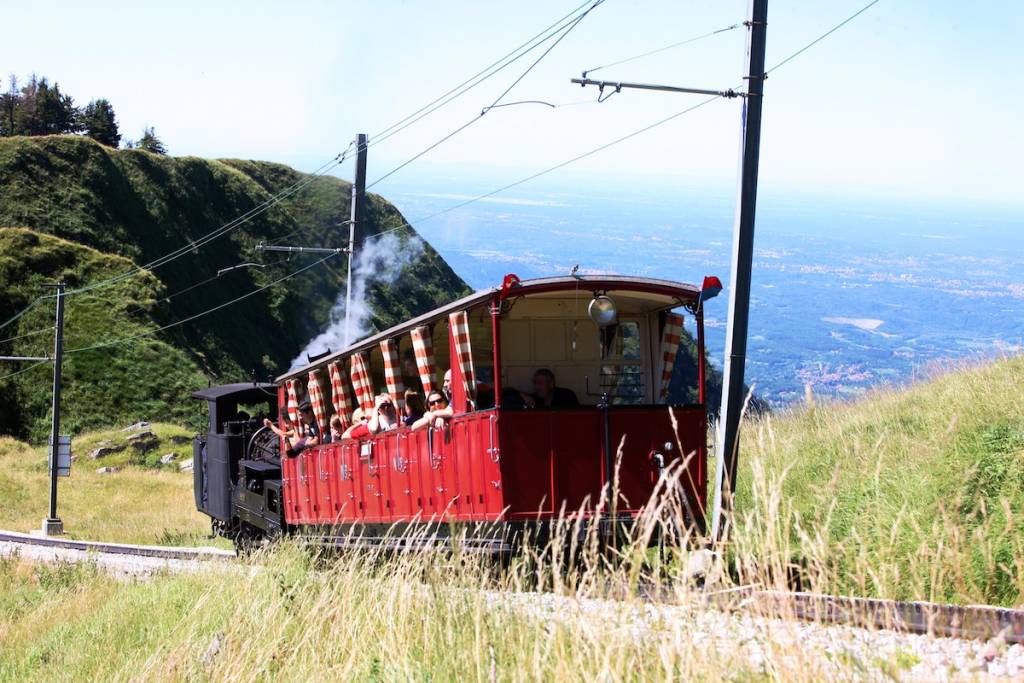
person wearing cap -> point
(307, 431)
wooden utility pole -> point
(733, 397)
(357, 217)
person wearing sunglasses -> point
(438, 411)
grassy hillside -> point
(905, 493)
(140, 206)
(144, 502)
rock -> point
(186, 466)
(108, 470)
(104, 451)
(135, 427)
(143, 442)
(168, 458)
(179, 440)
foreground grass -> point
(143, 503)
(421, 618)
(915, 493)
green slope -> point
(914, 493)
(140, 206)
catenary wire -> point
(24, 369)
(662, 49)
(484, 111)
(478, 78)
(824, 35)
(190, 318)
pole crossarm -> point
(302, 250)
(39, 358)
(617, 86)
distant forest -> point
(36, 107)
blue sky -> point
(913, 99)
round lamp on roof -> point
(602, 311)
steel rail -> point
(964, 622)
(161, 552)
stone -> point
(186, 466)
(143, 442)
(168, 458)
(108, 470)
(135, 427)
(104, 451)
(179, 440)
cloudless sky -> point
(914, 98)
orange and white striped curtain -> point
(393, 373)
(423, 345)
(339, 394)
(670, 335)
(361, 382)
(459, 324)
(316, 400)
(292, 388)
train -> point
(500, 464)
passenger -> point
(438, 411)
(385, 417)
(307, 432)
(287, 432)
(446, 387)
(414, 407)
(336, 428)
(359, 428)
(546, 394)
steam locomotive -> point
(494, 467)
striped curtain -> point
(339, 394)
(459, 323)
(316, 400)
(670, 335)
(393, 373)
(423, 345)
(292, 387)
(361, 382)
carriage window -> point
(621, 373)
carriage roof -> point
(672, 294)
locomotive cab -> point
(236, 463)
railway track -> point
(158, 552)
(968, 622)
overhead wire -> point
(190, 318)
(28, 334)
(618, 140)
(24, 369)
(478, 78)
(23, 311)
(662, 49)
(824, 35)
(547, 170)
(565, 32)
(209, 237)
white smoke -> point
(378, 261)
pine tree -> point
(98, 122)
(45, 110)
(9, 102)
(150, 142)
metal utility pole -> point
(358, 215)
(53, 524)
(742, 260)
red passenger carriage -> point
(495, 466)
